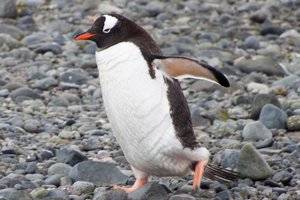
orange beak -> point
(84, 36)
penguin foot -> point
(139, 183)
(199, 170)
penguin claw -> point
(199, 170)
(139, 183)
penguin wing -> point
(181, 67)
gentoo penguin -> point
(148, 112)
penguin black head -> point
(111, 29)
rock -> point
(54, 179)
(273, 117)
(258, 88)
(252, 165)
(24, 93)
(283, 176)
(83, 187)
(259, 16)
(69, 156)
(35, 39)
(7, 42)
(45, 155)
(99, 173)
(260, 100)
(8, 9)
(32, 126)
(251, 42)
(56, 194)
(293, 123)
(154, 8)
(228, 158)
(45, 83)
(197, 119)
(39, 193)
(13, 194)
(151, 191)
(259, 63)
(257, 133)
(66, 134)
(110, 195)
(59, 168)
(182, 197)
(271, 29)
(224, 195)
(46, 47)
(76, 76)
(287, 82)
(11, 30)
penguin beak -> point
(84, 36)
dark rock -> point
(182, 197)
(251, 42)
(31, 168)
(13, 194)
(24, 93)
(69, 156)
(76, 76)
(8, 8)
(271, 29)
(224, 195)
(260, 100)
(46, 47)
(252, 165)
(228, 158)
(273, 117)
(99, 173)
(151, 191)
(293, 123)
(283, 177)
(45, 83)
(259, 16)
(45, 155)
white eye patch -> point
(109, 23)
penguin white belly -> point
(138, 109)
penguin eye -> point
(107, 30)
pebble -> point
(252, 165)
(59, 168)
(150, 191)
(32, 126)
(8, 9)
(260, 100)
(257, 133)
(98, 173)
(83, 187)
(24, 93)
(69, 156)
(293, 123)
(110, 195)
(13, 194)
(76, 76)
(182, 197)
(251, 42)
(273, 117)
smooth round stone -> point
(273, 117)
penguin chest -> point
(139, 112)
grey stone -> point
(154, 8)
(36, 38)
(259, 16)
(287, 82)
(259, 63)
(182, 197)
(45, 83)
(83, 187)
(45, 155)
(54, 179)
(8, 8)
(293, 123)
(39, 193)
(110, 195)
(77, 76)
(46, 47)
(69, 156)
(56, 194)
(13, 31)
(13, 194)
(99, 173)
(151, 191)
(260, 100)
(33, 126)
(271, 30)
(283, 177)
(251, 42)
(24, 93)
(252, 165)
(59, 168)
(273, 117)
(229, 158)
(257, 133)
(224, 195)
(4, 93)
(8, 42)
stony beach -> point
(56, 141)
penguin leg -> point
(198, 174)
(141, 180)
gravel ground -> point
(56, 141)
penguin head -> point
(111, 29)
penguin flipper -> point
(182, 67)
